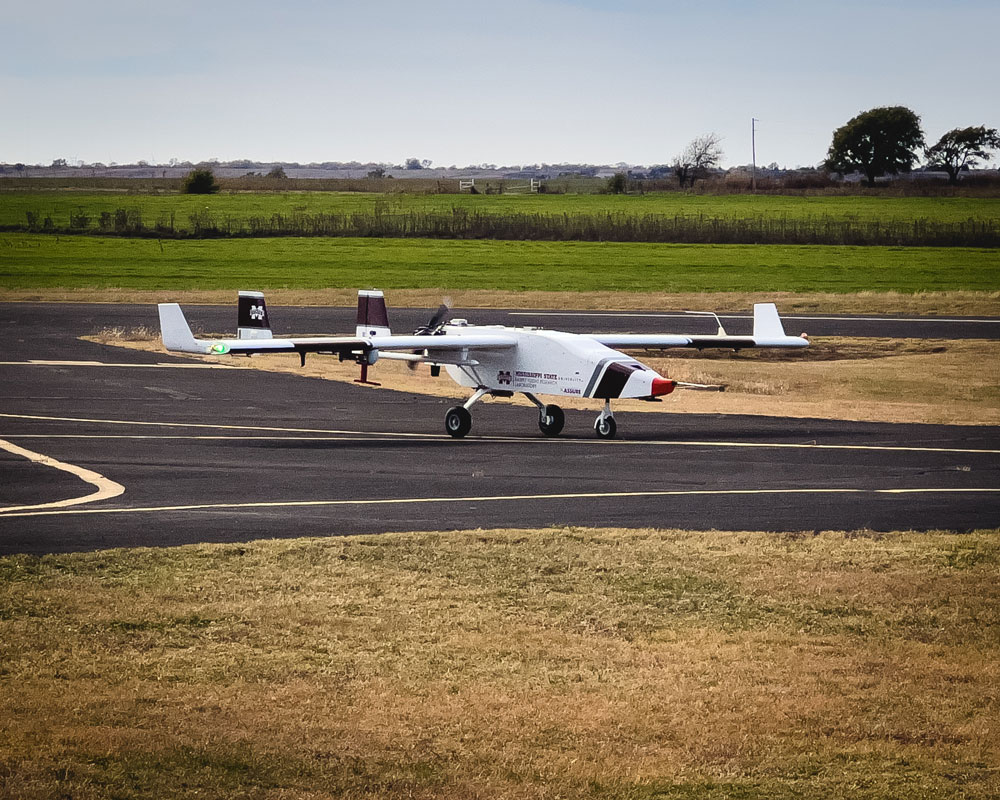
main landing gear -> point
(550, 417)
(458, 420)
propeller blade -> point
(439, 316)
(436, 321)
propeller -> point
(431, 327)
(435, 323)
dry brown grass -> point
(877, 380)
(940, 303)
(507, 664)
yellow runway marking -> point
(497, 498)
(472, 439)
(106, 488)
(223, 427)
(157, 365)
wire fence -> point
(461, 223)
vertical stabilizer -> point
(252, 321)
(373, 319)
(175, 331)
(766, 322)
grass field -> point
(59, 205)
(507, 664)
(50, 262)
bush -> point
(200, 181)
(80, 219)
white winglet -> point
(768, 330)
(176, 332)
(766, 322)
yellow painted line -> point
(223, 427)
(232, 437)
(156, 365)
(532, 439)
(105, 490)
(815, 446)
(498, 499)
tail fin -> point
(768, 330)
(373, 319)
(175, 331)
(766, 322)
(252, 321)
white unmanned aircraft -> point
(492, 360)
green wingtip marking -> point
(220, 348)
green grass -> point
(59, 205)
(46, 262)
(507, 664)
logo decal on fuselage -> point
(503, 377)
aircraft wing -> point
(767, 332)
(177, 336)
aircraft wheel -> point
(605, 427)
(458, 421)
(551, 420)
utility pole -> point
(753, 154)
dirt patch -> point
(874, 380)
(827, 348)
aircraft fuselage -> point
(555, 363)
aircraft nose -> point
(662, 386)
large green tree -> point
(961, 148)
(881, 141)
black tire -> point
(551, 420)
(458, 421)
(605, 427)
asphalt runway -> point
(47, 319)
(173, 451)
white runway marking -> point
(106, 488)
(653, 315)
(496, 499)
(157, 365)
(334, 435)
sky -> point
(469, 82)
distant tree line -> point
(883, 141)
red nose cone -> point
(662, 386)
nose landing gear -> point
(605, 426)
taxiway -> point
(206, 453)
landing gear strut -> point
(605, 425)
(458, 420)
(550, 417)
